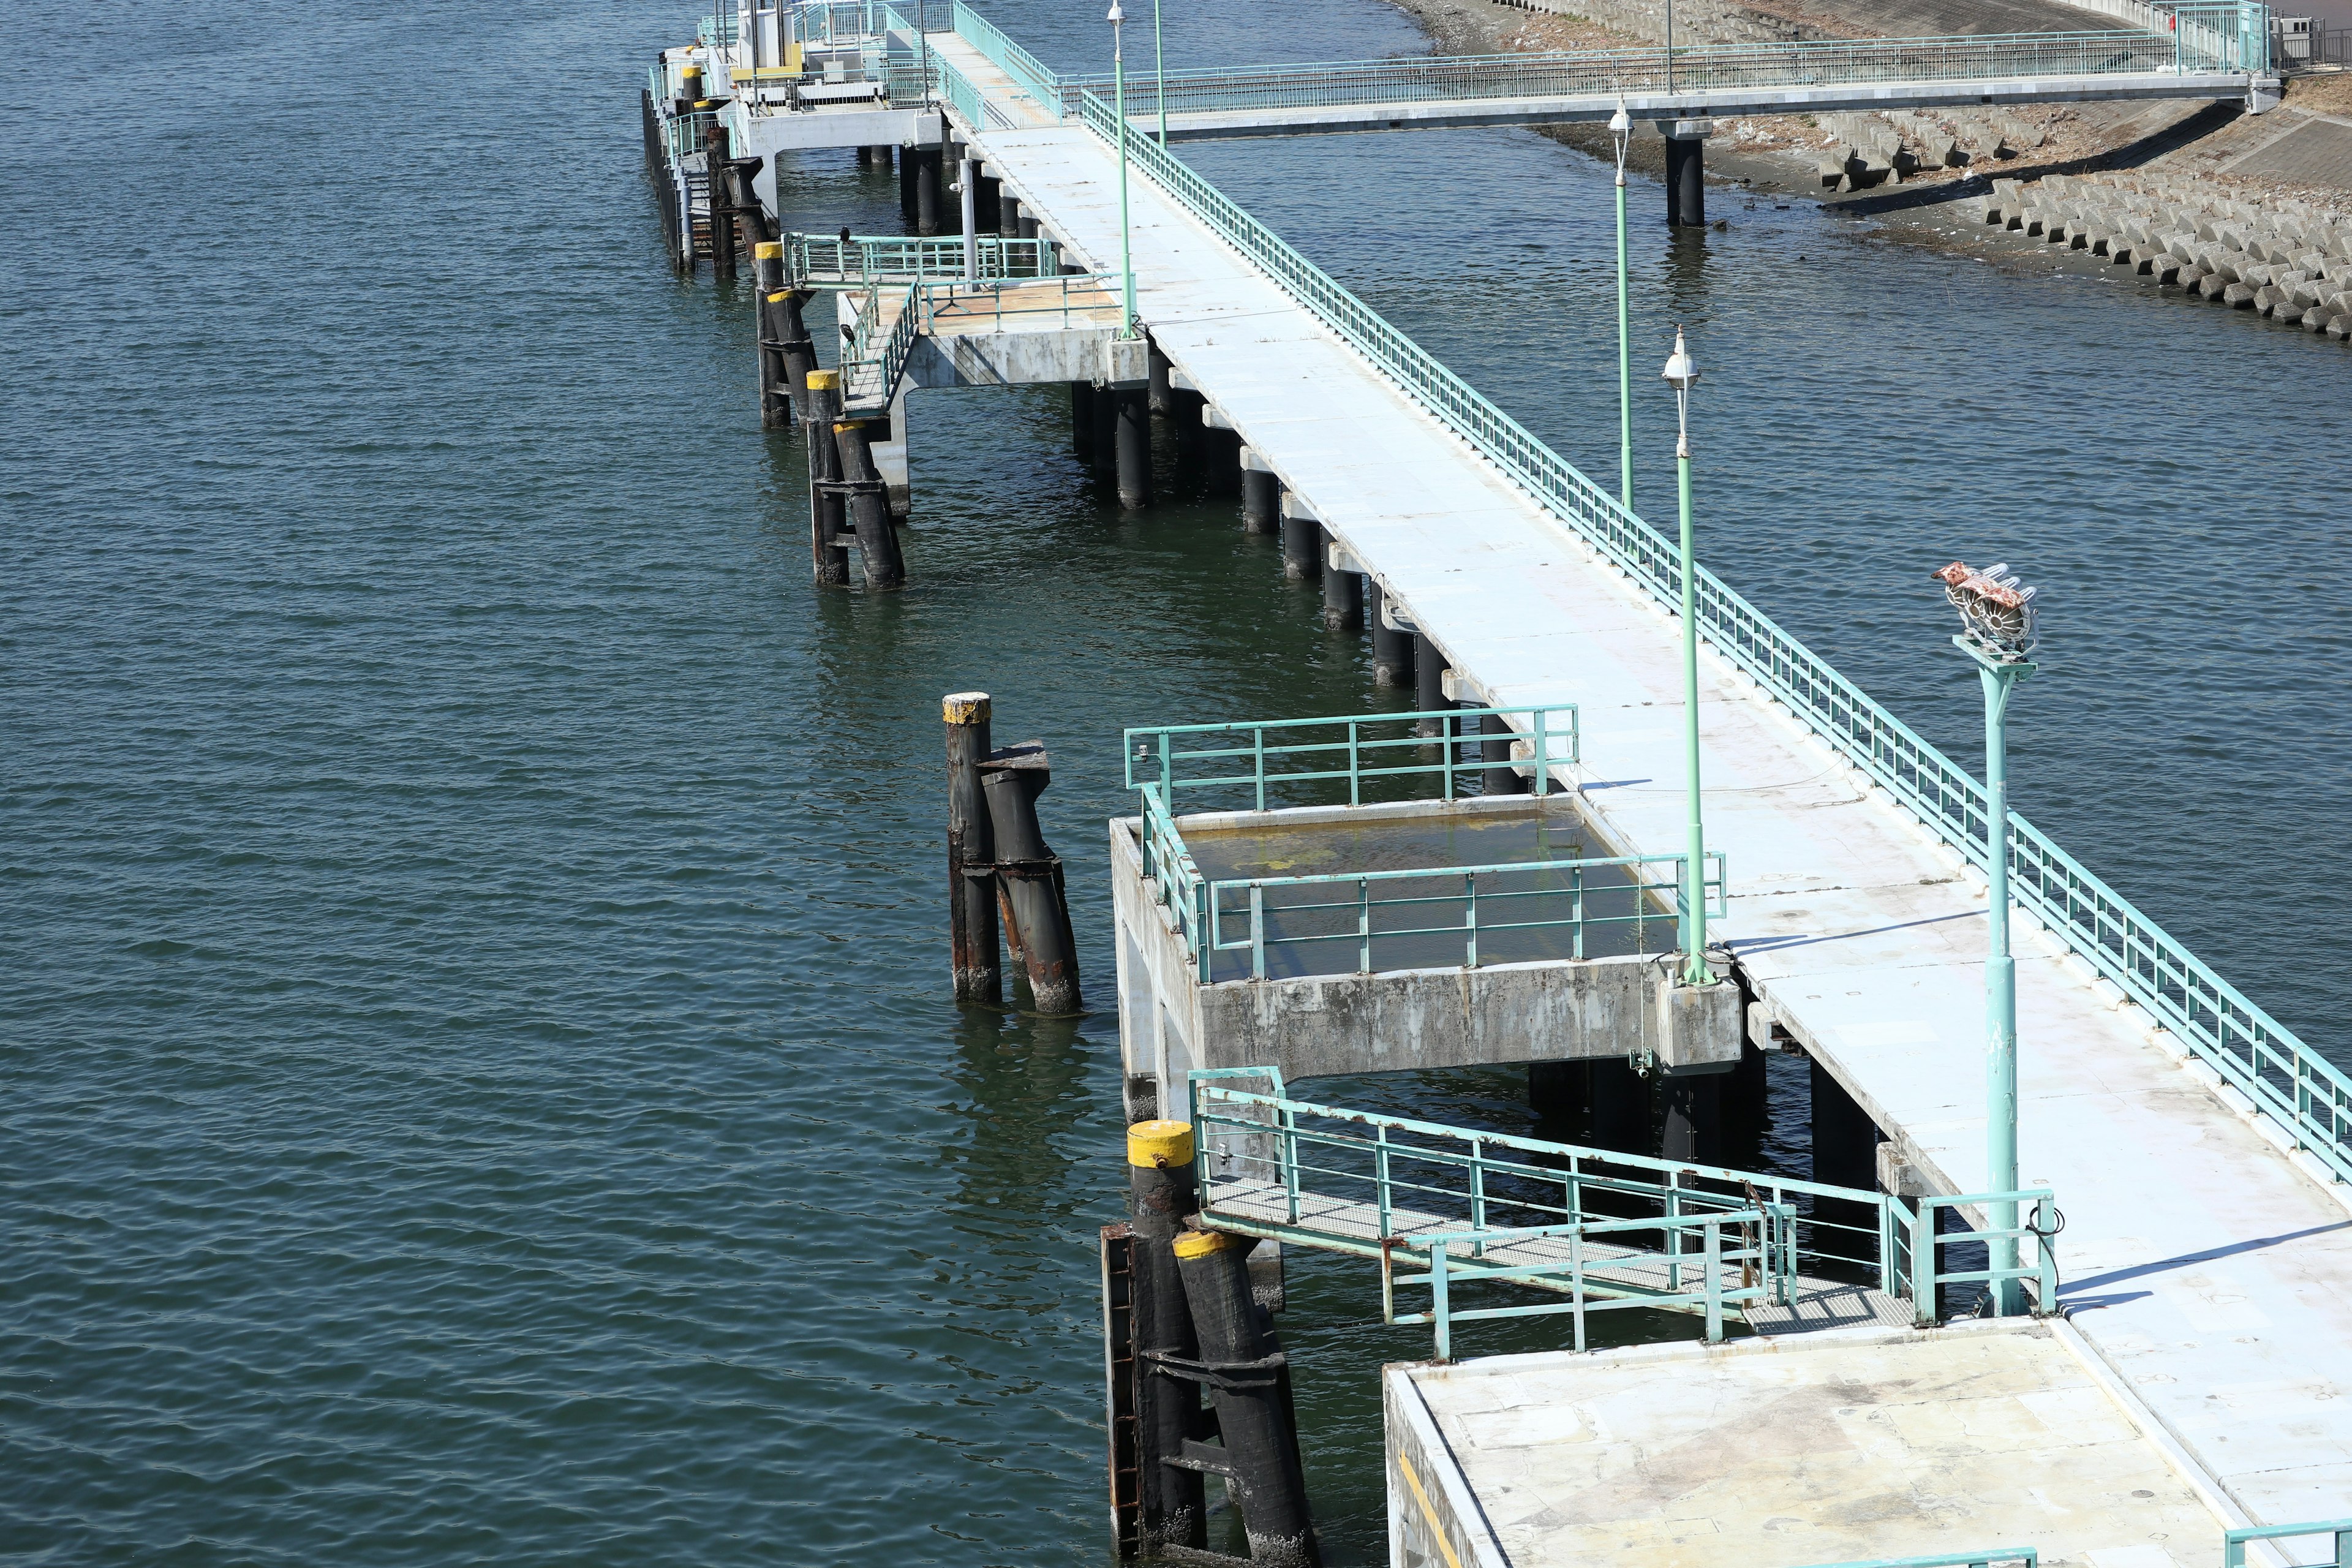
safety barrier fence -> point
(1384, 1186)
(1587, 1260)
(2252, 1052)
(828, 260)
(880, 339)
(1609, 73)
(1370, 752)
(2338, 1531)
(1408, 915)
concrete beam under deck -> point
(1719, 102)
(764, 135)
(2210, 1268)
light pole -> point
(1998, 611)
(1681, 375)
(1621, 126)
(1160, 71)
(1117, 19)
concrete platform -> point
(1832, 1447)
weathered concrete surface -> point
(1324, 1025)
(1834, 1447)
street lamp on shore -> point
(1998, 614)
(1117, 19)
(1621, 126)
(1682, 374)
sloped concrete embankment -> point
(2285, 258)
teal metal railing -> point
(2253, 1052)
(719, 31)
(828, 260)
(1284, 754)
(1379, 912)
(875, 354)
(1385, 1186)
(1712, 69)
(1988, 1557)
(684, 132)
(1592, 1263)
(2338, 1531)
(1008, 56)
(2038, 1266)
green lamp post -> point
(1682, 374)
(1998, 611)
(1621, 126)
(1117, 19)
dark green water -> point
(477, 1084)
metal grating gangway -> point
(1447, 1207)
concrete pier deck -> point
(2212, 1269)
(1846, 1446)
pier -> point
(2193, 1314)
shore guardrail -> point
(1988, 1557)
(2253, 1054)
(1287, 754)
(2338, 1531)
(1371, 1185)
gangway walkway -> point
(2199, 1147)
(1608, 1230)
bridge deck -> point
(2210, 1270)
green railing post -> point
(1437, 1306)
(1621, 126)
(2044, 1222)
(1543, 757)
(1713, 1280)
(1257, 932)
(1289, 1123)
(1923, 1264)
(1470, 917)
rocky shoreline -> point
(2148, 186)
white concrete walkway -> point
(2214, 1274)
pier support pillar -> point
(1163, 392)
(1391, 649)
(1028, 228)
(1686, 171)
(1081, 421)
(1261, 506)
(971, 854)
(1429, 685)
(869, 508)
(1621, 1107)
(1104, 406)
(1343, 592)
(775, 379)
(1694, 1123)
(1133, 416)
(1163, 1191)
(1500, 777)
(1030, 876)
(1560, 1094)
(1008, 214)
(988, 203)
(1302, 545)
(928, 163)
(1845, 1154)
(722, 206)
(1254, 1418)
(827, 517)
(909, 161)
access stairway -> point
(1444, 1207)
